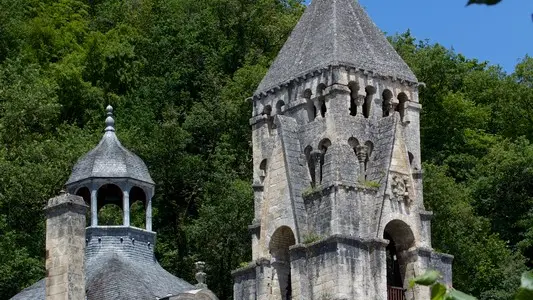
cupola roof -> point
(109, 159)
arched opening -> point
(399, 267)
(267, 111)
(310, 164)
(279, 245)
(137, 215)
(85, 193)
(411, 159)
(369, 149)
(387, 102)
(109, 194)
(137, 207)
(323, 147)
(354, 89)
(322, 99)
(353, 142)
(402, 98)
(310, 106)
(323, 108)
(280, 107)
(110, 215)
(370, 91)
(263, 170)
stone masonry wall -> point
(65, 248)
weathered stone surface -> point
(65, 247)
(337, 170)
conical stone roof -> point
(335, 33)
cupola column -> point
(94, 206)
(126, 206)
(149, 214)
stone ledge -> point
(250, 268)
(330, 67)
(428, 252)
(426, 215)
(326, 189)
(338, 239)
(254, 228)
(65, 203)
(418, 174)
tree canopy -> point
(178, 73)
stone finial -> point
(109, 121)
(200, 275)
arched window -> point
(399, 268)
(310, 106)
(279, 245)
(369, 149)
(267, 111)
(411, 158)
(367, 105)
(263, 170)
(137, 207)
(322, 99)
(323, 147)
(402, 97)
(354, 91)
(86, 195)
(110, 215)
(387, 102)
(353, 142)
(110, 197)
(310, 164)
(279, 107)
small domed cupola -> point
(111, 174)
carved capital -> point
(362, 153)
(359, 100)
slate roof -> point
(334, 33)
(118, 269)
(109, 159)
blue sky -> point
(501, 34)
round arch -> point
(400, 267)
(279, 244)
(85, 193)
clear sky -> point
(501, 34)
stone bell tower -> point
(339, 212)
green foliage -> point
(310, 190)
(441, 292)
(311, 238)
(177, 73)
(370, 184)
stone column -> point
(149, 214)
(359, 101)
(316, 156)
(65, 248)
(362, 152)
(126, 206)
(94, 207)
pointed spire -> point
(335, 33)
(109, 121)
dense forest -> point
(178, 73)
